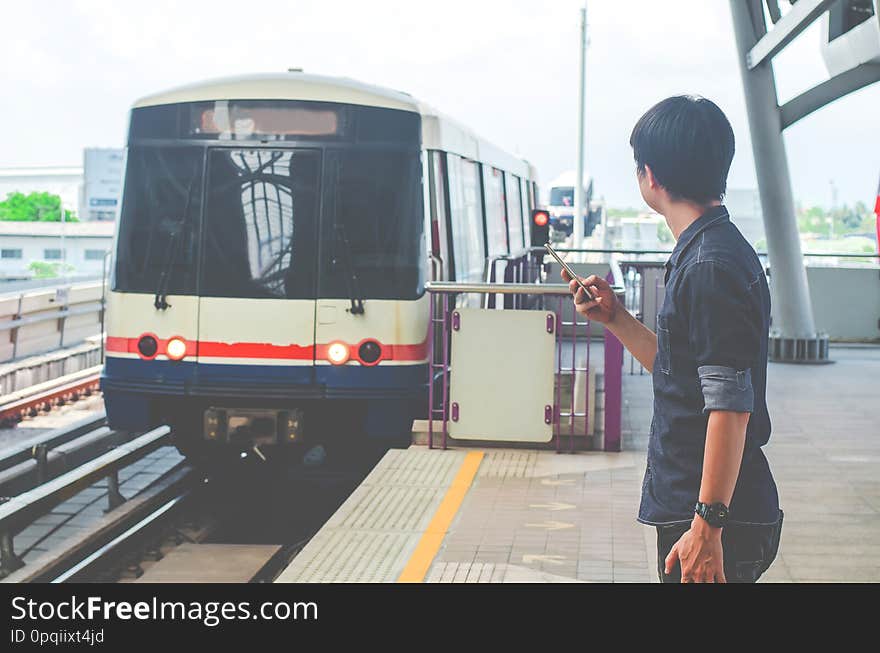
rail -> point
(23, 509)
(25, 318)
(24, 450)
(45, 395)
(667, 252)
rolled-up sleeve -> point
(724, 332)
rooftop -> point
(97, 229)
(41, 171)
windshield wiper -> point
(351, 278)
(160, 300)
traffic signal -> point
(540, 230)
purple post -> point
(431, 372)
(572, 411)
(613, 389)
(445, 367)
(587, 385)
(557, 411)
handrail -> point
(669, 251)
(506, 288)
(499, 288)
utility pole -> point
(63, 248)
(578, 218)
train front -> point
(268, 285)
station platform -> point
(519, 515)
(485, 515)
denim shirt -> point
(711, 355)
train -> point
(274, 239)
(561, 206)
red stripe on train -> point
(207, 349)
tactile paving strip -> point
(373, 533)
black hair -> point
(688, 143)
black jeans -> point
(749, 549)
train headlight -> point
(338, 353)
(369, 352)
(175, 349)
(148, 346)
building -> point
(744, 205)
(85, 244)
(102, 183)
(640, 233)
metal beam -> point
(828, 91)
(799, 17)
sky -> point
(506, 68)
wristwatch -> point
(715, 514)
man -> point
(708, 488)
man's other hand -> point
(700, 554)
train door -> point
(257, 284)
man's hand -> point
(699, 553)
(604, 308)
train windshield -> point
(260, 219)
(257, 215)
(159, 225)
(562, 196)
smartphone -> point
(571, 272)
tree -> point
(664, 235)
(35, 207)
(46, 270)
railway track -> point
(44, 396)
(239, 525)
(21, 510)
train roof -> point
(438, 131)
(284, 86)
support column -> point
(793, 335)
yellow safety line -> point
(421, 559)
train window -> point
(388, 126)
(249, 120)
(159, 223)
(439, 219)
(527, 211)
(274, 120)
(373, 225)
(467, 218)
(496, 222)
(260, 217)
(514, 212)
(154, 122)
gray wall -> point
(846, 301)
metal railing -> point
(442, 317)
(40, 320)
(851, 256)
(524, 266)
(19, 511)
